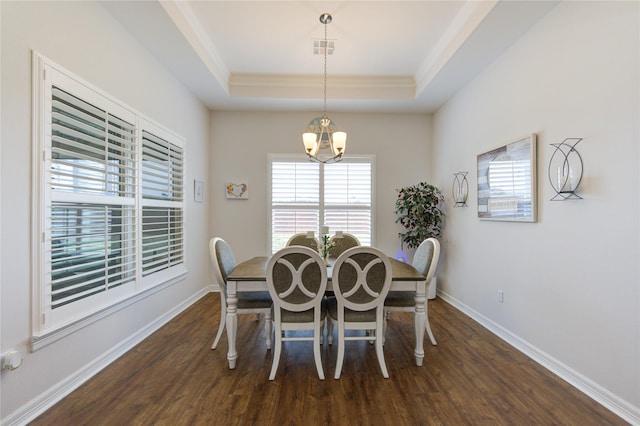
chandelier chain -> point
(326, 47)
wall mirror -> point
(507, 182)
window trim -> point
(370, 158)
(43, 331)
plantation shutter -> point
(295, 200)
(91, 232)
(162, 211)
(347, 198)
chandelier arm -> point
(336, 158)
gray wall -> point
(571, 280)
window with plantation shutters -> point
(109, 204)
(306, 195)
(162, 219)
(92, 189)
(347, 198)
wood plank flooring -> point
(470, 378)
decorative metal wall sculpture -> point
(460, 189)
(565, 169)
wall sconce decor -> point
(460, 189)
(565, 169)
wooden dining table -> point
(251, 275)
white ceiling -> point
(390, 56)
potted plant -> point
(418, 210)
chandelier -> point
(321, 132)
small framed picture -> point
(198, 190)
(237, 190)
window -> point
(109, 208)
(306, 195)
(162, 237)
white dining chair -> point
(339, 245)
(297, 280)
(302, 239)
(361, 280)
(425, 260)
(254, 302)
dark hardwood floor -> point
(470, 378)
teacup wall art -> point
(237, 190)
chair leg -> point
(268, 325)
(276, 355)
(223, 320)
(340, 358)
(385, 316)
(426, 323)
(317, 335)
(329, 331)
(380, 352)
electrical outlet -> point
(500, 296)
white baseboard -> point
(47, 399)
(612, 402)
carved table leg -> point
(419, 320)
(232, 322)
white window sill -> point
(49, 337)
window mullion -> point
(321, 209)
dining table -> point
(251, 275)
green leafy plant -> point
(326, 246)
(418, 210)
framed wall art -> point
(507, 182)
(237, 190)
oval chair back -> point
(361, 278)
(303, 240)
(223, 262)
(341, 244)
(425, 259)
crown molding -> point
(311, 87)
(189, 25)
(466, 22)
